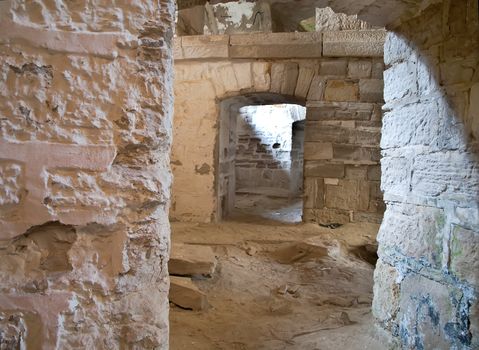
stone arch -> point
(225, 149)
(429, 237)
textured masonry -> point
(85, 125)
(343, 96)
(427, 279)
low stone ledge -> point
(354, 43)
(201, 46)
(364, 43)
(276, 45)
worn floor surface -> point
(281, 286)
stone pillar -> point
(427, 277)
(85, 132)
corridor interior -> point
(239, 174)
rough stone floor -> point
(280, 286)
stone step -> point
(185, 294)
(190, 260)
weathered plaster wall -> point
(85, 126)
(427, 278)
(337, 75)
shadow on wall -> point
(427, 278)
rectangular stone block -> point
(395, 176)
(305, 77)
(261, 76)
(204, 46)
(343, 196)
(185, 294)
(322, 169)
(284, 77)
(323, 110)
(371, 217)
(371, 90)
(316, 90)
(276, 45)
(429, 311)
(318, 132)
(314, 193)
(359, 69)
(451, 175)
(190, 260)
(395, 88)
(356, 172)
(352, 43)
(318, 150)
(356, 153)
(341, 90)
(337, 67)
(386, 294)
(464, 254)
(374, 172)
(326, 216)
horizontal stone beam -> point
(364, 43)
(354, 43)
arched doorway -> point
(259, 155)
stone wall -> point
(85, 126)
(264, 147)
(427, 278)
(336, 74)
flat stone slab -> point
(190, 260)
(185, 294)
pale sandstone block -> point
(290, 79)
(243, 75)
(261, 76)
(332, 182)
(322, 169)
(464, 254)
(386, 293)
(318, 150)
(371, 90)
(440, 301)
(284, 77)
(359, 69)
(341, 90)
(305, 78)
(207, 46)
(365, 43)
(414, 231)
(395, 88)
(184, 293)
(327, 216)
(313, 192)
(337, 67)
(345, 195)
(275, 45)
(188, 260)
(316, 90)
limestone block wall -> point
(336, 75)
(85, 132)
(427, 278)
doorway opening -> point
(261, 158)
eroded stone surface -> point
(188, 260)
(185, 294)
(85, 120)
